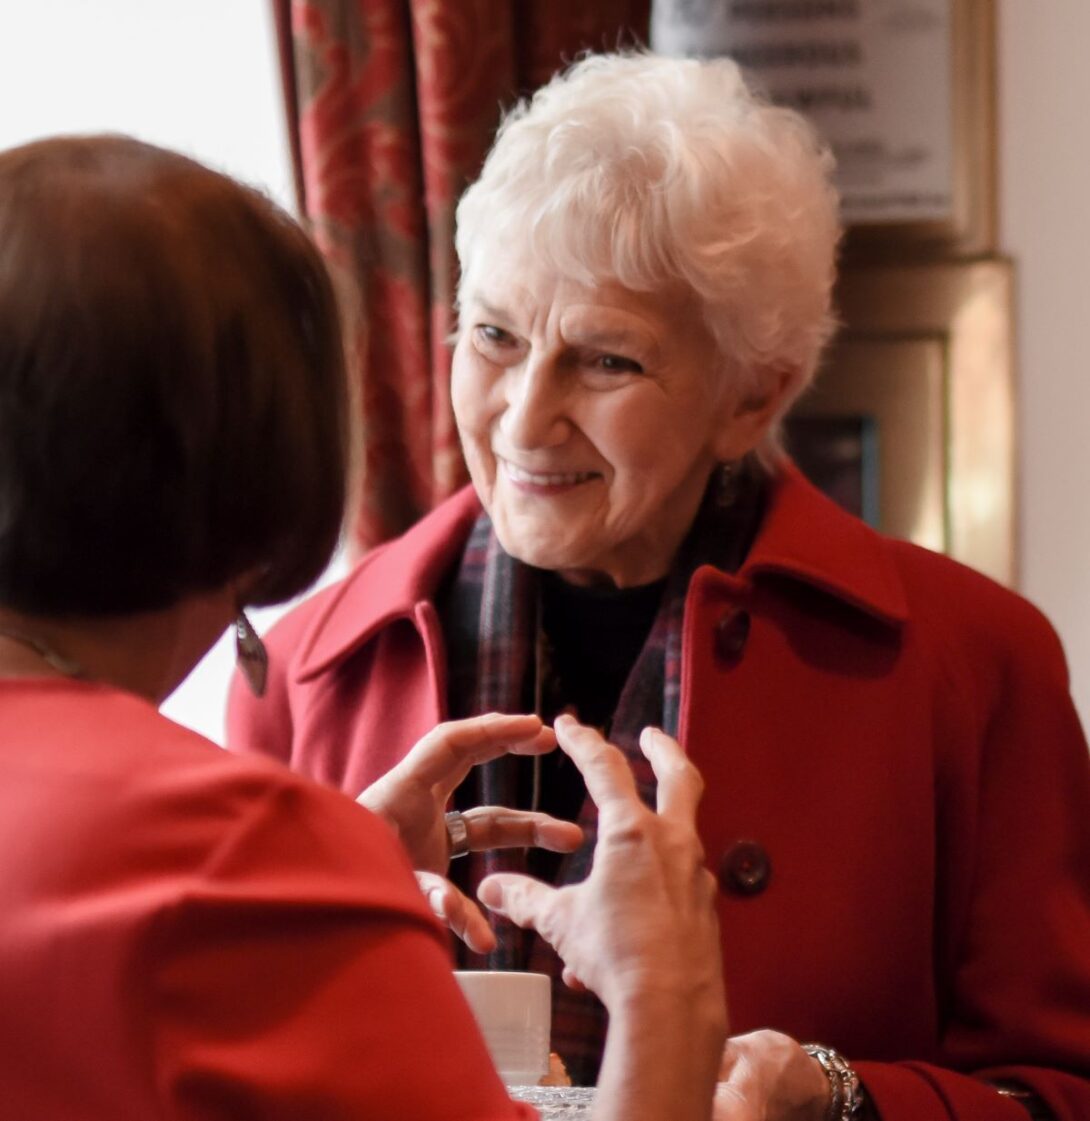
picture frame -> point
(902, 90)
(970, 229)
(926, 357)
(839, 454)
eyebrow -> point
(600, 338)
(605, 339)
(488, 310)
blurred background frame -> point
(970, 227)
(912, 420)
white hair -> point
(652, 171)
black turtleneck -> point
(593, 636)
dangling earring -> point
(726, 484)
(253, 658)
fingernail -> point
(490, 893)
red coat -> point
(891, 731)
(189, 936)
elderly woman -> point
(898, 806)
(190, 935)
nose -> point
(534, 406)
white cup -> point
(514, 1011)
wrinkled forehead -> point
(497, 258)
(501, 272)
(562, 233)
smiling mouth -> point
(545, 479)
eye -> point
(491, 335)
(617, 364)
(496, 346)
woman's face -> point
(591, 418)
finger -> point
(448, 752)
(457, 911)
(680, 784)
(605, 771)
(519, 898)
(496, 827)
(727, 1060)
(573, 982)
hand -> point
(642, 923)
(640, 931)
(766, 1076)
(412, 797)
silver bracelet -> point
(1025, 1097)
(845, 1094)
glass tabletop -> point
(557, 1103)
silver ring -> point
(457, 833)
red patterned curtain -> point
(392, 105)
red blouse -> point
(188, 934)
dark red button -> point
(731, 633)
(745, 869)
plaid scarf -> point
(491, 624)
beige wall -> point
(1044, 179)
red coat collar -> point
(388, 583)
(804, 536)
(807, 537)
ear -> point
(747, 419)
(243, 586)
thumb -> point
(450, 906)
(522, 899)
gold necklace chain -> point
(59, 662)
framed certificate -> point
(902, 90)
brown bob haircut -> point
(172, 394)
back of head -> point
(653, 171)
(172, 394)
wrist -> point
(845, 1099)
(662, 1056)
(693, 1013)
(703, 1006)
